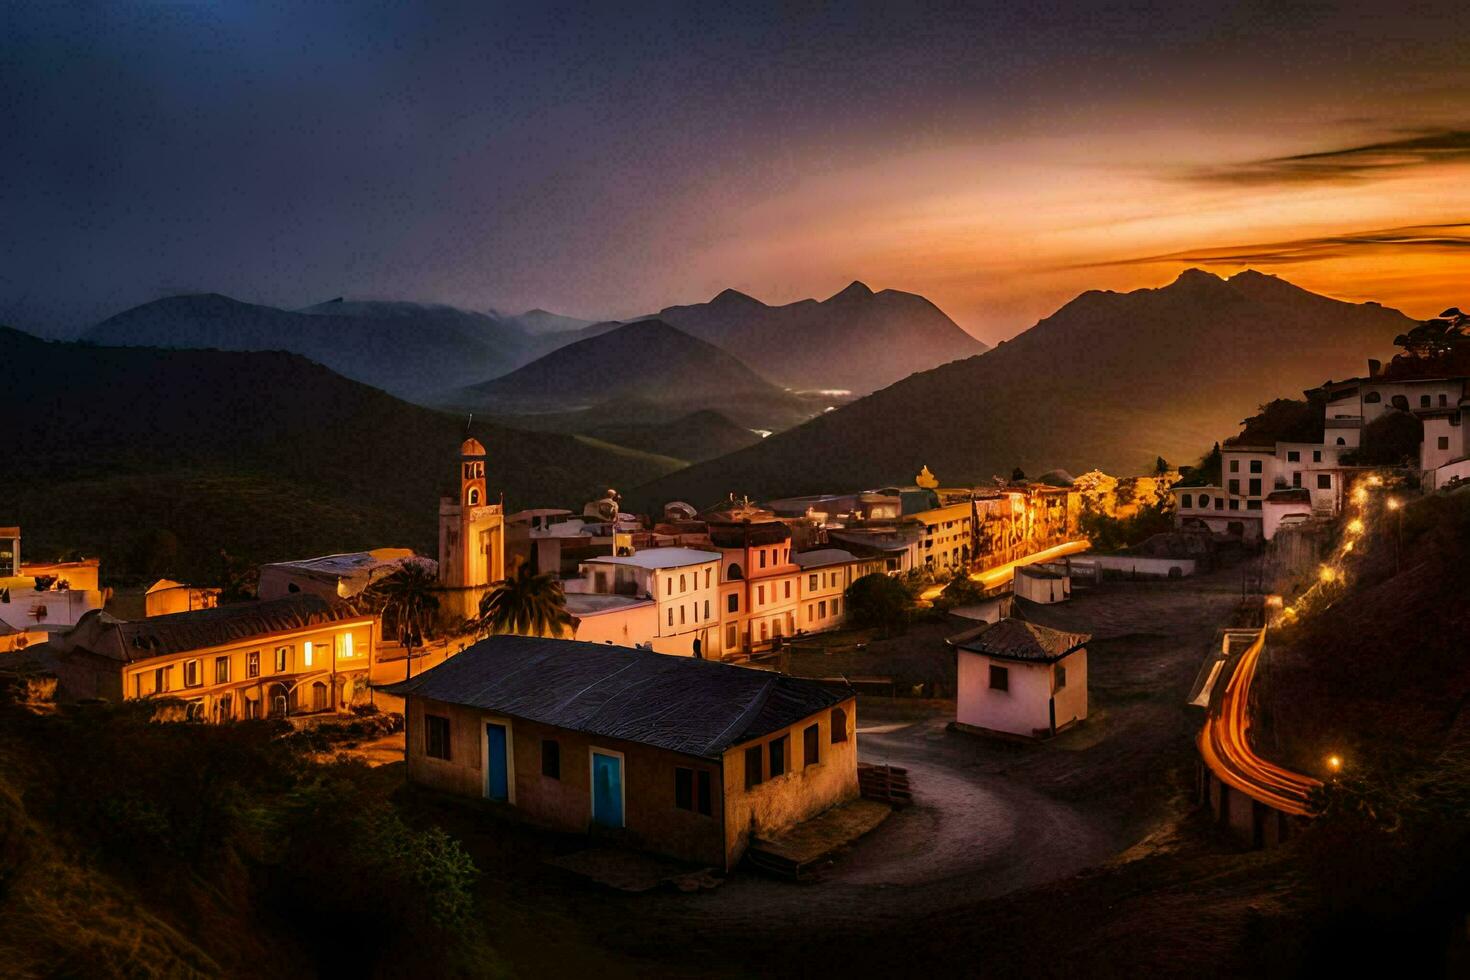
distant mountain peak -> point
(857, 289)
(733, 297)
(1189, 276)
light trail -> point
(1224, 744)
(1001, 574)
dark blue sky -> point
(606, 161)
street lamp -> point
(1334, 764)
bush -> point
(879, 601)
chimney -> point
(1374, 366)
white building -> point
(342, 576)
(1020, 678)
(822, 586)
(69, 591)
(683, 585)
(1045, 582)
(622, 620)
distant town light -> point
(1327, 574)
(1393, 503)
(1334, 763)
(1355, 526)
(1360, 495)
(1375, 481)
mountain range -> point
(857, 339)
(644, 360)
(158, 459)
(1111, 380)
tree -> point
(525, 604)
(1018, 475)
(407, 600)
(880, 602)
(1161, 466)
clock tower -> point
(471, 528)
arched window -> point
(1341, 441)
(473, 497)
(839, 725)
(1400, 402)
(733, 573)
(1372, 398)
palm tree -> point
(408, 599)
(526, 604)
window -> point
(282, 658)
(1000, 678)
(318, 696)
(1316, 455)
(1255, 486)
(778, 756)
(681, 583)
(732, 637)
(763, 558)
(1293, 456)
(307, 649)
(221, 670)
(760, 595)
(1296, 478)
(1255, 466)
(788, 588)
(1324, 481)
(1443, 442)
(706, 577)
(681, 615)
(683, 788)
(752, 766)
(551, 758)
(1060, 678)
(706, 609)
(1252, 505)
(344, 646)
(160, 679)
(1187, 500)
(1204, 500)
(1443, 400)
(436, 736)
(1235, 466)
(811, 746)
(252, 663)
(1372, 398)
(193, 673)
(1341, 441)
(732, 602)
(671, 615)
(839, 725)
(812, 582)
(1235, 488)
(703, 798)
(1235, 505)
(1219, 503)
(1423, 401)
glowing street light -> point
(1334, 763)
(1393, 503)
(1355, 526)
(1360, 495)
(1327, 574)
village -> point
(869, 687)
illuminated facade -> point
(471, 535)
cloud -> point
(1416, 149)
(1447, 237)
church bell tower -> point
(471, 529)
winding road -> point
(1224, 743)
(1001, 574)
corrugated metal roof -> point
(682, 704)
(1016, 639)
(823, 557)
(655, 558)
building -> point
(44, 597)
(685, 757)
(471, 537)
(1020, 678)
(1042, 582)
(274, 657)
(683, 586)
(166, 597)
(622, 620)
(822, 586)
(758, 582)
(344, 576)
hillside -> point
(856, 340)
(159, 459)
(647, 360)
(409, 349)
(1111, 380)
(695, 437)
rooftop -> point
(823, 557)
(1016, 639)
(592, 603)
(201, 629)
(659, 558)
(346, 565)
(682, 704)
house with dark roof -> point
(1020, 678)
(689, 758)
(302, 654)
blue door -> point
(497, 782)
(607, 789)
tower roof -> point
(472, 447)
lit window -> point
(283, 659)
(306, 651)
(221, 670)
(252, 664)
(346, 645)
(193, 675)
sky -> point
(607, 160)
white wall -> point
(1139, 565)
(1040, 589)
(1021, 710)
(627, 627)
(62, 608)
